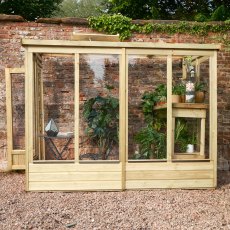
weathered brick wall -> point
(12, 55)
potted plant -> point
(192, 140)
(199, 92)
(161, 94)
(178, 93)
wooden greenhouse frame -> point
(123, 173)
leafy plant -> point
(200, 86)
(152, 142)
(152, 138)
(179, 89)
(102, 117)
(151, 98)
(183, 135)
(112, 24)
(192, 139)
(118, 24)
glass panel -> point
(18, 110)
(54, 93)
(191, 82)
(99, 107)
(147, 113)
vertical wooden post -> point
(9, 119)
(28, 112)
(169, 109)
(76, 106)
(122, 117)
(213, 113)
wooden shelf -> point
(190, 105)
(183, 106)
(187, 156)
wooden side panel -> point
(18, 159)
(70, 177)
(71, 167)
(75, 185)
(170, 175)
(93, 177)
(188, 184)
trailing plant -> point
(118, 24)
(112, 24)
(102, 117)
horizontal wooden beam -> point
(95, 37)
(65, 43)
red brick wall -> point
(12, 55)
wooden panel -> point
(10, 152)
(73, 186)
(17, 70)
(168, 175)
(122, 116)
(169, 109)
(33, 168)
(76, 106)
(213, 113)
(18, 152)
(192, 113)
(18, 167)
(189, 46)
(149, 184)
(170, 166)
(159, 52)
(9, 118)
(18, 160)
(56, 51)
(190, 105)
(186, 156)
(95, 37)
(75, 176)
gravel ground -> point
(152, 209)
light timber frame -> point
(122, 174)
(15, 157)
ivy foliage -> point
(118, 24)
(112, 24)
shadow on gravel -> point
(223, 179)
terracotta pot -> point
(199, 97)
(159, 103)
(182, 98)
(175, 98)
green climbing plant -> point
(119, 24)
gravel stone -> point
(142, 210)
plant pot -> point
(159, 103)
(190, 148)
(182, 98)
(199, 97)
(175, 98)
